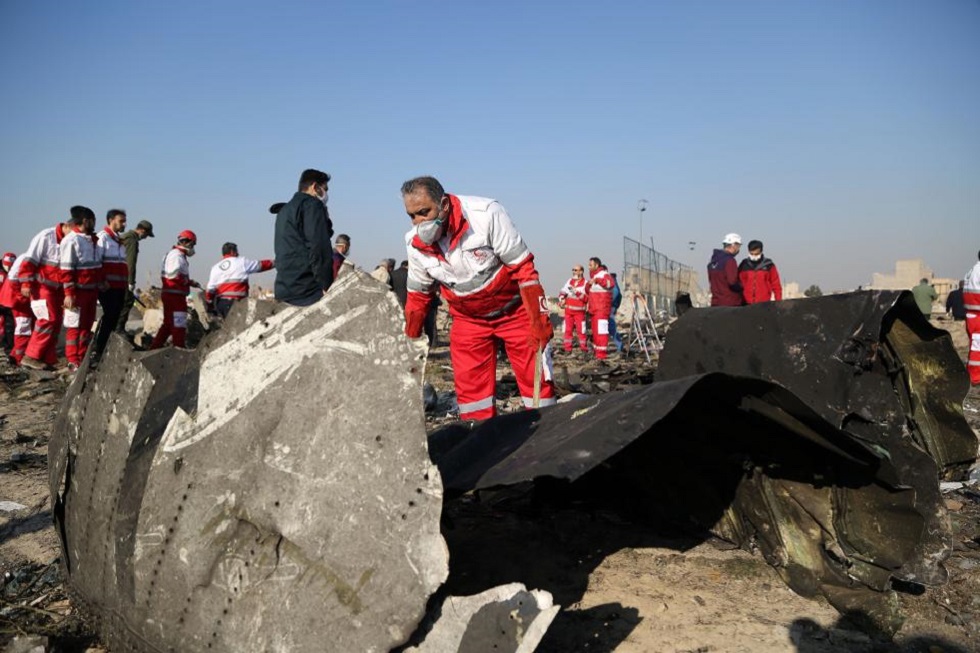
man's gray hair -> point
(431, 186)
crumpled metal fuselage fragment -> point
(271, 490)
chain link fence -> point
(656, 277)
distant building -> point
(792, 290)
(908, 273)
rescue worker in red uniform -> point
(600, 287)
(81, 270)
(176, 283)
(759, 276)
(228, 282)
(574, 298)
(971, 302)
(6, 314)
(19, 305)
(469, 248)
(726, 290)
(42, 285)
(115, 273)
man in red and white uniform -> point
(971, 302)
(600, 286)
(574, 298)
(19, 306)
(42, 285)
(115, 272)
(228, 282)
(176, 283)
(469, 249)
(81, 269)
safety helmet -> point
(732, 239)
(187, 234)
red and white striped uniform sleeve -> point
(971, 290)
(42, 262)
(419, 284)
(10, 292)
(603, 280)
(175, 273)
(575, 294)
(115, 270)
(229, 276)
(566, 290)
(81, 267)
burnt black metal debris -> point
(821, 443)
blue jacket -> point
(617, 296)
(304, 265)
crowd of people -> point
(70, 269)
(463, 250)
(57, 282)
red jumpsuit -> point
(971, 301)
(175, 277)
(81, 269)
(42, 269)
(575, 295)
(12, 298)
(600, 307)
(483, 267)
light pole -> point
(641, 206)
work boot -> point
(34, 364)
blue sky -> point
(843, 134)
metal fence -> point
(656, 276)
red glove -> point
(537, 310)
(414, 320)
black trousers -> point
(8, 328)
(127, 306)
(222, 305)
(429, 326)
(112, 301)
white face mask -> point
(429, 231)
(189, 250)
(324, 198)
(755, 257)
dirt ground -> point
(623, 588)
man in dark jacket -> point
(399, 282)
(955, 305)
(759, 276)
(723, 273)
(131, 241)
(304, 267)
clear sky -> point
(844, 134)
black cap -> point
(147, 226)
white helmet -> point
(732, 239)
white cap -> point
(732, 239)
